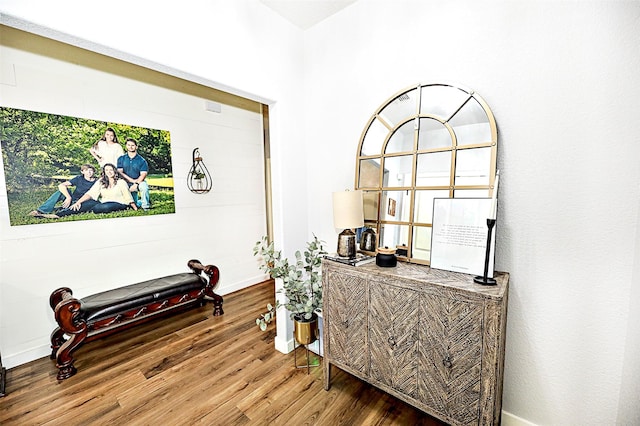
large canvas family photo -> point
(60, 168)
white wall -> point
(242, 47)
(243, 44)
(92, 256)
(562, 81)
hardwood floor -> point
(194, 368)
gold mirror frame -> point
(434, 140)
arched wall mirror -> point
(427, 141)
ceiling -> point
(306, 13)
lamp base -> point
(347, 244)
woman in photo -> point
(110, 190)
(107, 149)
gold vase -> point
(306, 331)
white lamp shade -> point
(348, 210)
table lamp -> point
(347, 214)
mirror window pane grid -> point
(442, 100)
(374, 138)
(398, 171)
(434, 169)
(398, 206)
(470, 124)
(423, 211)
(393, 235)
(473, 167)
(433, 141)
(370, 201)
(400, 108)
(402, 139)
(432, 134)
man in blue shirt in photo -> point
(82, 183)
(134, 169)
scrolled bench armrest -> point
(67, 314)
(213, 273)
(58, 295)
(67, 311)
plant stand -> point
(311, 361)
(317, 346)
(304, 334)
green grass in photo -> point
(21, 203)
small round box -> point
(386, 257)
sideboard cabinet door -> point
(347, 330)
(450, 356)
(393, 332)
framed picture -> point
(61, 168)
(459, 235)
(391, 210)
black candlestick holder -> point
(484, 280)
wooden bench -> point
(102, 314)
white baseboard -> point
(283, 344)
(27, 356)
(509, 419)
(223, 290)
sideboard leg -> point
(327, 375)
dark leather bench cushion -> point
(119, 300)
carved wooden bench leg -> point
(57, 337)
(217, 304)
(57, 340)
(64, 358)
(67, 313)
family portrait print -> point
(59, 168)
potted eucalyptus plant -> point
(302, 285)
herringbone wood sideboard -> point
(432, 338)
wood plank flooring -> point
(194, 368)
